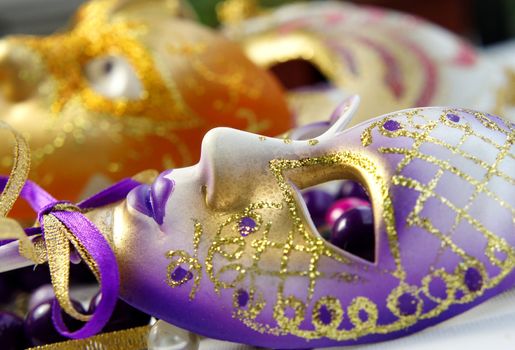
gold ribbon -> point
(57, 239)
(56, 247)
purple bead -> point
(317, 202)
(41, 295)
(124, 316)
(354, 233)
(392, 125)
(11, 332)
(453, 117)
(473, 279)
(351, 188)
(247, 226)
(341, 206)
(39, 327)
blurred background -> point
(482, 22)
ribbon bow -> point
(62, 224)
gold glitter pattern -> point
(180, 257)
(229, 246)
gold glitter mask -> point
(129, 86)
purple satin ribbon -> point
(91, 238)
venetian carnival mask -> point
(128, 86)
(227, 249)
(392, 60)
(230, 242)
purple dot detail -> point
(453, 117)
(392, 125)
(242, 297)
(180, 274)
(325, 315)
(438, 288)
(247, 226)
(459, 294)
(363, 315)
(407, 304)
(473, 279)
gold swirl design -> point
(181, 257)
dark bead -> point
(40, 329)
(354, 232)
(6, 289)
(351, 188)
(11, 332)
(317, 202)
(124, 316)
(41, 295)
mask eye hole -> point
(298, 73)
(342, 213)
(113, 77)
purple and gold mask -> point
(226, 248)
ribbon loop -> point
(58, 251)
(62, 224)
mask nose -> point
(17, 79)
